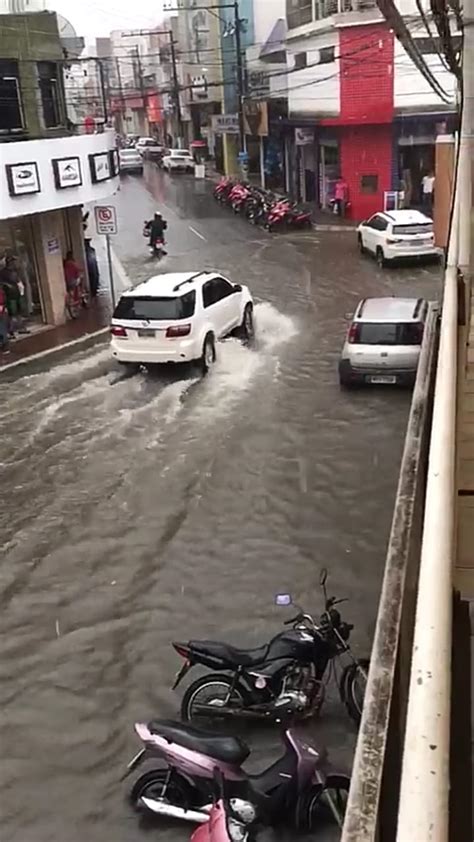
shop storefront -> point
(16, 239)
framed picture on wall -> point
(100, 166)
(67, 172)
(23, 178)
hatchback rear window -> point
(399, 333)
(157, 309)
(423, 228)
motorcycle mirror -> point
(323, 576)
(283, 599)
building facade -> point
(358, 107)
(49, 167)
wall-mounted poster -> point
(100, 166)
(67, 172)
(23, 178)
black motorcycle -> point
(284, 678)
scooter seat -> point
(227, 749)
(230, 654)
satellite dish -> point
(65, 28)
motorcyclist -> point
(157, 227)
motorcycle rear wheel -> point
(151, 784)
(214, 689)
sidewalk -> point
(53, 339)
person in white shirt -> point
(427, 191)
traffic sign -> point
(105, 219)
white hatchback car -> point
(179, 317)
(178, 159)
(397, 234)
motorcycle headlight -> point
(237, 831)
(243, 810)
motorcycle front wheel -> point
(323, 808)
(209, 695)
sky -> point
(96, 19)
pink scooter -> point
(301, 788)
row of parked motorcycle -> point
(195, 769)
(261, 207)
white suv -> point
(178, 159)
(392, 235)
(179, 317)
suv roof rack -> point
(188, 280)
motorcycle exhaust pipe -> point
(223, 712)
(162, 808)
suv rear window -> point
(423, 228)
(398, 333)
(150, 307)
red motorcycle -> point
(278, 215)
(223, 188)
(238, 197)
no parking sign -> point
(105, 219)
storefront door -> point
(16, 237)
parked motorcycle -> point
(285, 677)
(301, 789)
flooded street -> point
(137, 510)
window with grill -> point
(301, 60)
(11, 111)
(326, 55)
(298, 12)
(49, 74)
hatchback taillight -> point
(353, 335)
(178, 330)
(118, 331)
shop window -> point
(301, 61)
(11, 111)
(298, 12)
(325, 8)
(326, 55)
(49, 74)
(369, 184)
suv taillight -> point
(177, 331)
(118, 331)
(353, 335)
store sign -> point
(258, 82)
(105, 219)
(53, 245)
(100, 166)
(67, 172)
(225, 124)
(304, 137)
(114, 161)
(256, 118)
(23, 178)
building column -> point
(48, 234)
(443, 188)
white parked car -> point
(179, 317)
(392, 235)
(148, 147)
(130, 161)
(178, 159)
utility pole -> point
(122, 98)
(176, 89)
(102, 90)
(141, 84)
(240, 77)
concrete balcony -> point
(43, 175)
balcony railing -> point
(302, 13)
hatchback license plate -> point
(146, 334)
(383, 379)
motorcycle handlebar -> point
(293, 620)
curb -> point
(85, 341)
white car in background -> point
(130, 161)
(148, 147)
(176, 160)
(397, 234)
(178, 318)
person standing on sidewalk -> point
(427, 192)
(14, 291)
(4, 323)
(341, 192)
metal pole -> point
(262, 161)
(141, 85)
(102, 89)
(122, 98)
(111, 271)
(240, 77)
(176, 89)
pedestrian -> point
(92, 267)
(72, 275)
(4, 322)
(14, 290)
(427, 192)
(341, 194)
